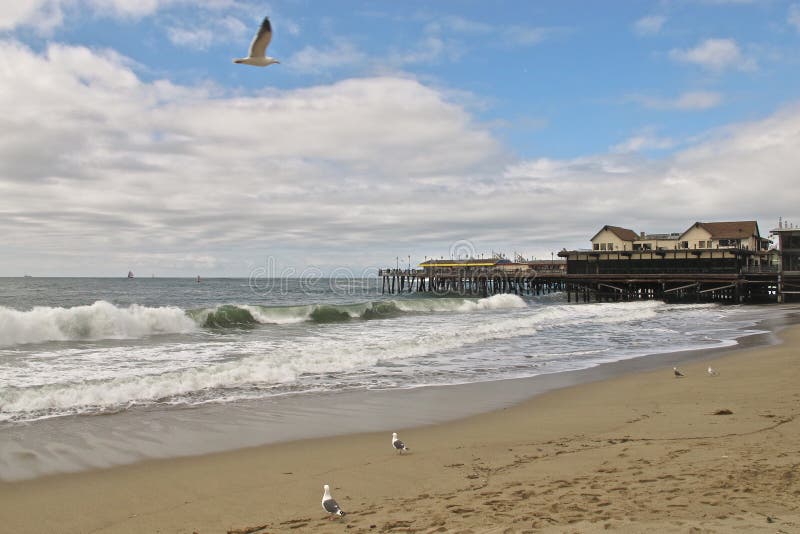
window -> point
(602, 246)
(701, 244)
(611, 246)
(596, 246)
(684, 244)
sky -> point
(389, 133)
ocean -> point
(197, 360)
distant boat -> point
(198, 278)
(27, 276)
(130, 274)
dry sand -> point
(640, 453)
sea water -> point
(72, 349)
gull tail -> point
(341, 513)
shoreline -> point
(653, 443)
(83, 443)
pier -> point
(732, 288)
(702, 266)
(470, 281)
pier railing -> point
(746, 284)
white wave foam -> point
(101, 320)
(298, 314)
(280, 315)
(495, 302)
(274, 361)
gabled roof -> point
(728, 229)
(625, 234)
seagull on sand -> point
(258, 48)
(677, 372)
(329, 504)
(712, 372)
(398, 445)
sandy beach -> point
(644, 452)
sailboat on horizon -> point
(130, 274)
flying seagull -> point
(258, 48)
(677, 372)
(329, 504)
(397, 444)
(712, 372)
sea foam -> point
(101, 320)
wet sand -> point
(635, 453)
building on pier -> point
(789, 272)
(700, 235)
(708, 262)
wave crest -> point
(101, 320)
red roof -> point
(729, 229)
(625, 234)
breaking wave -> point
(270, 364)
(103, 320)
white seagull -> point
(258, 48)
(712, 372)
(397, 444)
(328, 504)
(677, 372)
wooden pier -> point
(470, 282)
(710, 262)
(753, 285)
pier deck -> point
(740, 287)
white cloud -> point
(215, 30)
(688, 101)
(311, 59)
(743, 171)
(42, 15)
(526, 35)
(107, 172)
(45, 15)
(793, 18)
(644, 140)
(715, 55)
(460, 25)
(134, 168)
(650, 25)
(128, 8)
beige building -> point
(614, 238)
(701, 235)
(717, 235)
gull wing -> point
(331, 506)
(258, 48)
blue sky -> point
(388, 129)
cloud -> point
(42, 15)
(644, 140)
(688, 101)
(46, 15)
(215, 30)
(134, 168)
(715, 55)
(107, 172)
(793, 18)
(458, 24)
(341, 54)
(742, 171)
(650, 25)
(128, 8)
